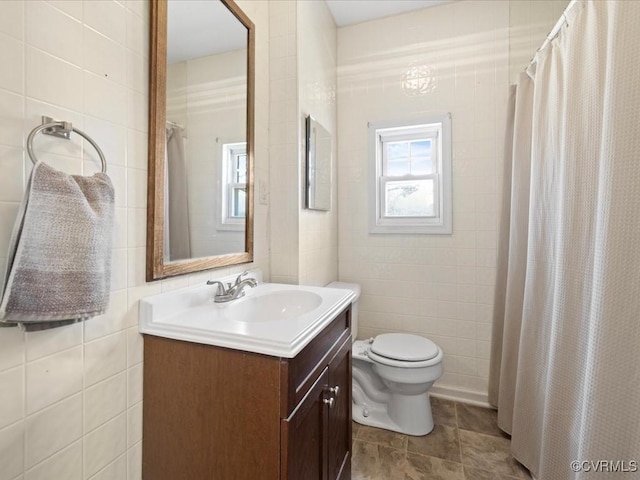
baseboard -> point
(460, 395)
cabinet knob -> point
(329, 401)
(335, 390)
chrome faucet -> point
(231, 292)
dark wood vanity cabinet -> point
(339, 431)
(213, 413)
(315, 439)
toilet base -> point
(410, 415)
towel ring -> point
(61, 129)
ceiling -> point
(197, 28)
(347, 12)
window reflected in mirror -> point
(233, 196)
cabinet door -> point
(304, 436)
(339, 454)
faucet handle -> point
(239, 278)
(220, 290)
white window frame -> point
(436, 128)
(229, 152)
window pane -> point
(421, 148)
(409, 198)
(421, 166)
(408, 158)
(398, 168)
(397, 150)
(239, 202)
(397, 159)
(421, 160)
(241, 169)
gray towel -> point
(59, 262)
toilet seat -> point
(404, 350)
(404, 346)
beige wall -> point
(441, 287)
(529, 23)
(206, 96)
(72, 396)
(318, 230)
(304, 245)
(283, 142)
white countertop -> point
(190, 314)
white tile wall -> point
(427, 284)
(441, 287)
(104, 444)
(134, 462)
(52, 429)
(52, 30)
(67, 463)
(53, 378)
(113, 471)
(12, 450)
(12, 393)
(72, 396)
(529, 23)
(317, 57)
(104, 401)
(12, 60)
(283, 142)
(303, 63)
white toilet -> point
(392, 374)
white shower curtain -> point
(566, 379)
(513, 250)
(177, 233)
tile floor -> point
(465, 444)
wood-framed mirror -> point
(201, 137)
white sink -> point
(272, 306)
(273, 319)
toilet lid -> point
(404, 346)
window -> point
(234, 191)
(410, 185)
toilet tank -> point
(355, 288)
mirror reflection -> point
(318, 166)
(206, 160)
